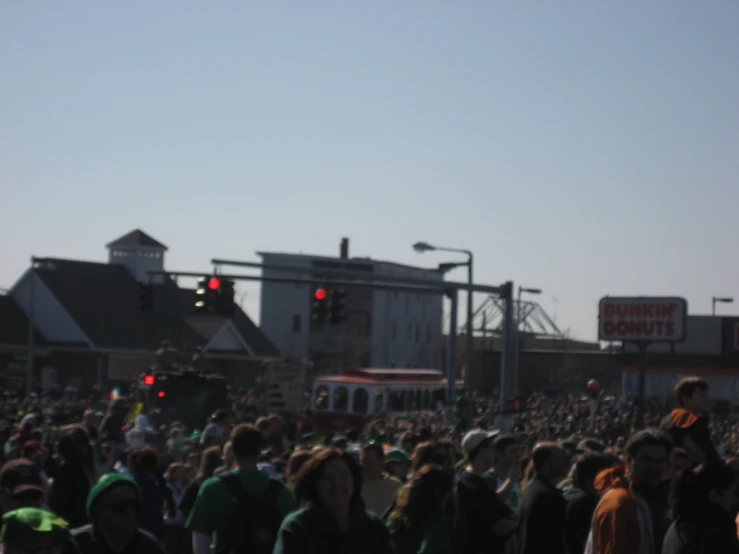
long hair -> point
(116, 411)
(294, 464)
(422, 497)
(210, 460)
(306, 481)
(422, 455)
(689, 496)
(74, 446)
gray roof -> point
(104, 301)
(137, 238)
(14, 325)
(349, 261)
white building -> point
(383, 328)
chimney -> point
(344, 251)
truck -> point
(188, 396)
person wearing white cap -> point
(485, 520)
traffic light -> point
(318, 307)
(337, 307)
(215, 296)
(146, 297)
(226, 303)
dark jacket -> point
(578, 519)
(715, 532)
(69, 491)
(85, 542)
(432, 536)
(152, 506)
(479, 508)
(542, 519)
(691, 432)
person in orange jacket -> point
(631, 516)
(687, 425)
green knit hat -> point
(107, 483)
(33, 524)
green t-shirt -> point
(313, 530)
(212, 510)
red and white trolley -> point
(346, 402)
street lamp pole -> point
(469, 344)
(517, 351)
(719, 299)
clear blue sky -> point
(587, 148)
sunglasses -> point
(122, 506)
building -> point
(383, 329)
(710, 351)
(89, 326)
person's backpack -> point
(254, 522)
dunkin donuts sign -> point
(642, 319)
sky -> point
(584, 148)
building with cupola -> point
(82, 324)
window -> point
(341, 399)
(361, 401)
(418, 332)
(394, 332)
(410, 330)
(428, 333)
(296, 323)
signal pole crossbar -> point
(357, 279)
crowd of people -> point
(81, 476)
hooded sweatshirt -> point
(691, 432)
(629, 519)
(89, 542)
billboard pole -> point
(642, 404)
(642, 320)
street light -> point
(521, 290)
(720, 299)
(422, 247)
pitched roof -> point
(14, 325)
(253, 335)
(136, 238)
(104, 300)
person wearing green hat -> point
(33, 530)
(397, 464)
(112, 507)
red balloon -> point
(593, 386)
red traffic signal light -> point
(150, 380)
(214, 283)
(321, 294)
(161, 394)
